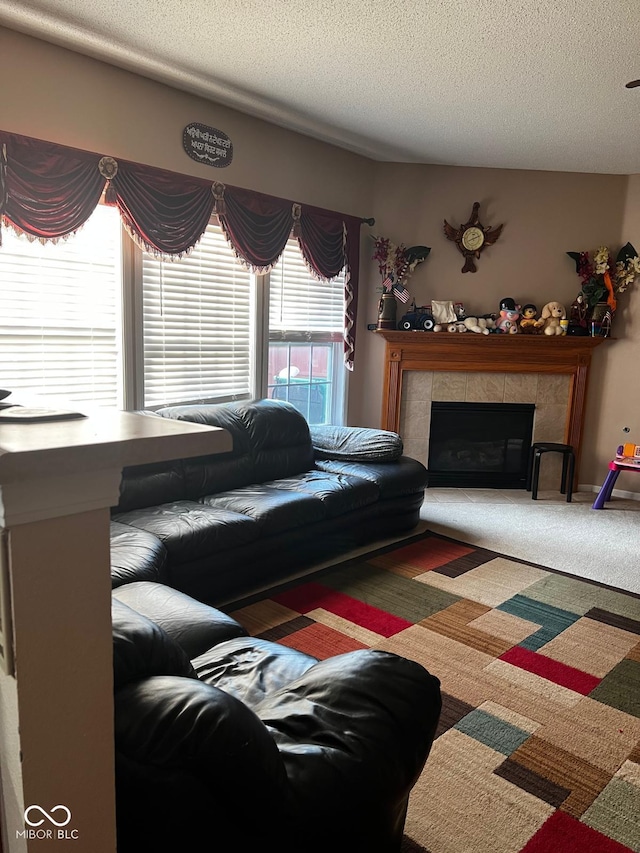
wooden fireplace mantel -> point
(497, 353)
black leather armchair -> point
(230, 742)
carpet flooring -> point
(538, 749)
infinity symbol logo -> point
(48, 815)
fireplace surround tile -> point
(520, 387)
(552, 389)
(416, 448)
(419, 384)
(449, 386)
(485, 388)
(549, 422)
(417, 415)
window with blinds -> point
(60, 313)
(300, 305)
(197, 318)
(306, 321)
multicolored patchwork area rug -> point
(538, 748)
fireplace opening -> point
(480, 445)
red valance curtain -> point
(48, 191)
(257, 226)
(164, 212)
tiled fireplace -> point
(552, 374)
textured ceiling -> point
(522, 84)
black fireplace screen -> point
(480, 445)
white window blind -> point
(197, 325)
(306, 321)
(60, 308)
(299, 303)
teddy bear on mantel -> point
(552, 314)
(509, 316)
(529, 320)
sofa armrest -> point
(168, 723)
(355, 444)
(195, 626)
(396, 703)
(141, 648)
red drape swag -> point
(257, 226)
(165, 213)
(48, 191)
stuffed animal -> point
(509, 316)
(479, 325)
(449, 327)
(550, 318)
(528, 320)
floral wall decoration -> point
(396, 264)
(603, 277)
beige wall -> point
(78, 101)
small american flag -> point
(387, 284)
(401, 293)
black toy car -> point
(418, 318)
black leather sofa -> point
(230, 742)
(222, 526)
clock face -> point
(472, 239)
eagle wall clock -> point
(472, 237)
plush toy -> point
(509, 316)
(479, 325)
(449, 327)
(550, 318)
(528, 320)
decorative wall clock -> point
(472, 237)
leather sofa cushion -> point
(209, 474)
(221, 471)
(339, 493)
(274, 509)
(135, 555)
(195, 626)
(272, 434)
(355, 444)
(191, 530)
(223, 415)
(250, 668)
(154, 483)
(141, 648)
(403, 477)
(280, 441)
